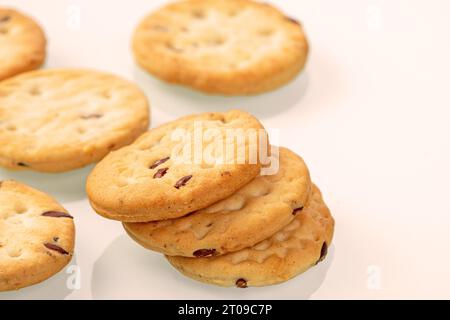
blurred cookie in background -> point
(229, 47)
(22, 43)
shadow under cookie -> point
(178, 100)
(54, 288)
(127, 271)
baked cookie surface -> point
(253, 213)
(156, 178)
(231, 47)
(62, 119)
(291, 251)
(36, 236)
(22, 43)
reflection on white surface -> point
(175, 99)
(65, 187)
(125, 270)
(54, 288)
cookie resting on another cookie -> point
(36, 236)
(253, 213)
(155, 179)
(300, 245)
(231, 47)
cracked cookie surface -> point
(154, 179)
(253, 213)
(231, 47)
(291, 251)
(61, 119)
(22, 43)
(36, 236)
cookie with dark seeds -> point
(22, 43)
(36, 236)
(253, 213)
(231, 47)
(62, 119)
(155, 178)
(293, 250)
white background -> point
(370, 115)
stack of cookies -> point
(219, 217)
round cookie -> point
(291, 251)
(255, 212)
(36, 236)
(160, 177)
(231, 47)
(22, 43)
(62, 119)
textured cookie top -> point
(221, 46)
(56, 120)
(22, 43)
(162, 176)
(36, 236)
(253, 213)
(298, 246)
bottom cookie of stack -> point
(293, 250)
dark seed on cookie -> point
(159, 162)
(297, 210)
(56, 248)
(241, 283)
(91, 116)
(56, 214)
(160, 173)
(5, 18)
(292, 20)
(323, 252)
(200, 253)
(22, 164)
(182, 182)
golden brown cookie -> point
(253, 213)
(22, 43)
(231, 47)
(62, 119)
(162, 176)
(36, 236)
(291, 251)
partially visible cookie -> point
(62, 119)
(36, 236)
(291, 251)
(168, 172)
(253, 213)
(22, 43)
(230, 47)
